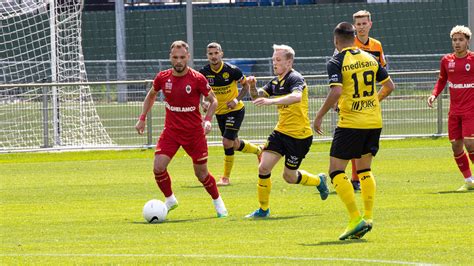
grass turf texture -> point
(85, 208)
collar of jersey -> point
(282, 78)
(220, 68)
(350, 48)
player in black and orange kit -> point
(362, 20)
(182, 88)
(353, 74)
(292, 136)
(457, 69)
(223, 78)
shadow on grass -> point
(333, 243)
(452, 192)
(220, 187)
(276, 218)
(176, 221)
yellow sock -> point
(264, 187)
(308, 179)
(368, 188)
(345, 191)
(228, 164)
(249, 147)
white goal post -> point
(40, 41)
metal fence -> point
(146, 69)
(27, 110)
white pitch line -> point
(224, 256)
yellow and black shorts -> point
(293, 149)
(352, 143)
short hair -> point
(289, 52)
(362, 14)
(214, 45)
(461, 29)
(179, 44)
(345, 32)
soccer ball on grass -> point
(155, 211)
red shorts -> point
(460, 127)
(194, 144)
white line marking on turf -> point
(224, 256)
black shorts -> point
(352, 143)
(293, 149)
(229, 123)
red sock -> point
(163, 180)
(355, 177)
(463, 164)
(471, 156)
(209, 184)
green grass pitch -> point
(85, 208)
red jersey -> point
(459, 74)
(182, 98)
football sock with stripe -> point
(368, 188)
(307, 179)
(209, 184)
(264, 187)
(247, 147)
(344, 190)
(163, 180)
(463, 164)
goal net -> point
(40, 41)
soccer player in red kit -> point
(182, 88)
(457, 69)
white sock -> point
(171, 198)
(469, 179)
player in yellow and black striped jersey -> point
(353, 74)
(292, 136)
(223, 79)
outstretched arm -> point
(291, 98)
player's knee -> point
(469, 146)
(264, 170)
(227, 143)
(159, 170)
(290, 178)
(201, 174)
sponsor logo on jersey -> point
(461, 85)
(363, 105)
(168, 86)
(211, 81)
(360, 64)
(468, 67)
(334, 78)
(451, 66)
(188, 89)
(180, 109)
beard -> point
(179, 69)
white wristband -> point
(236, 101)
